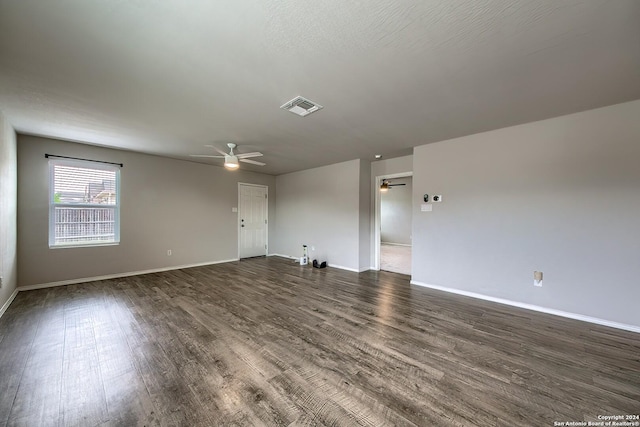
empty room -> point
(261, 213)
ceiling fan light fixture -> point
(231, 162)
(384, 186)
(231, 159)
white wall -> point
(396, 212)
(561, 196)
(165, 204)
(320, 207)
(8, 212)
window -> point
(84, 203)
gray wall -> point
(561, 196)
(165, 204)
(392, 166)
(365, 219)
(320, 207)
(8, 210)
(396, 212)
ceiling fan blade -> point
(247, 155)
(217, 149)
(395, 185)
(253, 162)
(206, 155)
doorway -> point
(394, 222)
(252, 220)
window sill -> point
(91, 245)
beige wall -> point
(561, 196)
(320, 207)
(8, 212)
(165, 204)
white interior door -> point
(252, 220)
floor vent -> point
(301, 106)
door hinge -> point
(265, 221)
(265, 196)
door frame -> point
(378, 217)
(266, 188)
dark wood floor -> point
(268, 342)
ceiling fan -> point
(386, 185)
(231, 159)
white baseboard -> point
(9, 301)
(575, 316)
(118, 275)
(341, 267)
(284, 256)
(395, 244)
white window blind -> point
(84, 203)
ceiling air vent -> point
(301, 106)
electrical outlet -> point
(0, 281)
(169, 252)
(537, 278)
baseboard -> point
(6, 305)
(532, 307)
(284, 256)
(328, 265)
(395, 244)
(118, 275)
(342, 267)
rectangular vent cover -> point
(301, 106)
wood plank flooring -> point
(268, 342)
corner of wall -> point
(8, 213)
(364, 207)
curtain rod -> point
(86, 160)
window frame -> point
(52, 204)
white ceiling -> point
(166, 77)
